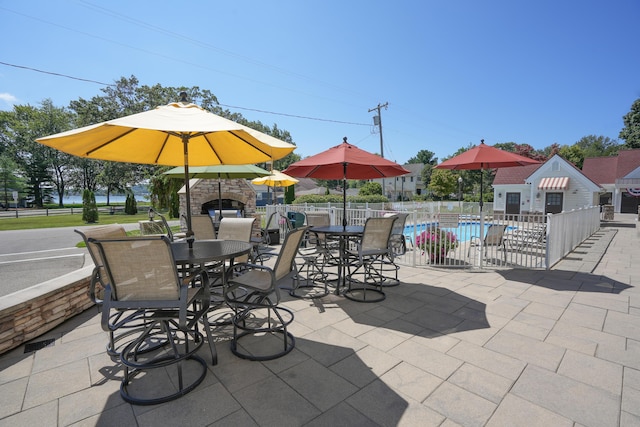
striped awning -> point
(554, 183)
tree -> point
(443, 182)
(631, 130)
(525, 150)
(89, 208)
(117, 177)
(425, 174)
(425, 157)
(573, 154)
(9, 181)
(130, 204)
(289, 194)
(370, 188)
(598, 146)
(24, 126)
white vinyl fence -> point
(448, 234)
(568, 229)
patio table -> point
(344, 234)
(210, 250)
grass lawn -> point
(54, 221)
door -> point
(553, 203)
(512, 204)
(629, 202)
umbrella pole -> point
(185, 143)
(219, 198)
(481, 218)
(344, 196)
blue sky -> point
(452, 72)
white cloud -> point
(8, 99)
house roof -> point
(414, 168)
(605, 170)
(514, 175)
(520, 174)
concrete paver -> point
(446, 348)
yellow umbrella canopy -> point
(276, 179)
(177, 134)
(165, 135)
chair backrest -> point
(273, 221)
(318, 219)
(140, 268)
(398, 226)
(495, 234)
(377, 231)
(236, 229)
(202, 227)
(286, 258)
(153, 227)
(397, 241)
(112, 231)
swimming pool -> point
(464, 231)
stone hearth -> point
(205, 192)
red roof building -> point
(619, 176)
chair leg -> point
(272, 330)
(137, 361)
(365, 291)
(312, 272)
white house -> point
(405, 186)
(551, 187)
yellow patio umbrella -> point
(276, 179)
(177, 134)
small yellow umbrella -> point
(276, 179)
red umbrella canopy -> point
(345, 161)
(485, 157)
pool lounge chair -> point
(495, 237)
(527, 238)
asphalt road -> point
(30, 257)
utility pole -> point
(377, 120)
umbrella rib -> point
(249, 143)
(109, 142)
(164, 143)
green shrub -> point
(130, 205)
(89, 208)
(337, 199)
(174, 206)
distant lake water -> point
(70, 200)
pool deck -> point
(445, 348)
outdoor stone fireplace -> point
(236, 194)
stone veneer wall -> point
(27, 314)
(206, 190)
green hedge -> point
(337, 199)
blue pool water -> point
(463, 232)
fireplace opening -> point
(212, 207)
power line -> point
(223, 105)
(296, 116)
(56, 74)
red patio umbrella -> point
(485, 157)
(345, 161)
